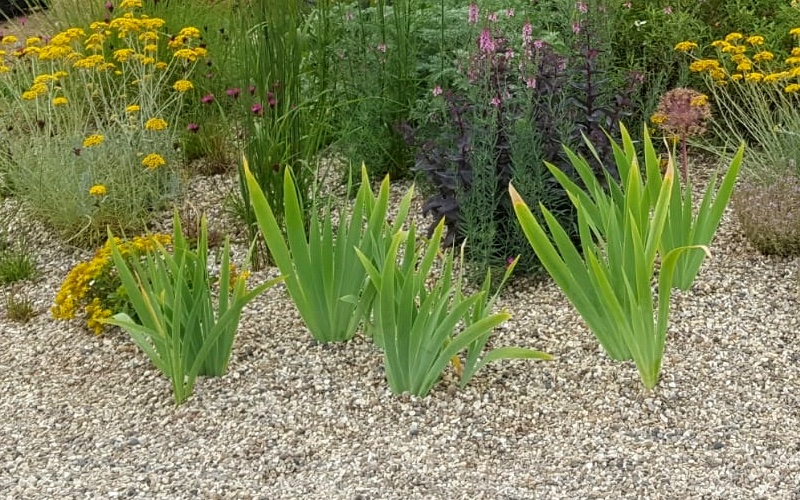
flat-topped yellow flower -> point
(133, 108)
(155, 124)
(685, 46)
(98, 190)
(153, 161)
(60, 101)
(93, 140)
(183, 86)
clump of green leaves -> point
(417, 322)
(181, 327)
(19, 307)
(16, 262)
(609, 277)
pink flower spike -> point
(495, 101)
(207, 99)
(257, 109)
(473, 13)
(22, 21)
(109, 6)
(486, 42)
(530, 83)
(271, 100)
(510, 12)
(437, 91)
(582, 7)
(576, 27)
(492, 17)
(234, 92)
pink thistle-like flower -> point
(538, 44)
(473, 13)
(233, 92)
(510, 12)
(486, 42)
(257, 109)
(271, 101)
(109, 6)
(576, 27)
(527, 32)
(496, 101)
(492, 17)
(530, 83)
(252, 89)
(437, 91)
(582, 7)
(207, 99)
(193, 127)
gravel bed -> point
(89, 417)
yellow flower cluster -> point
(154, 161)
(183, 86)
(743, 58)
(93, 140)
(89, 284)
(155, 124)
(98, 190)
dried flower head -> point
(682, 113)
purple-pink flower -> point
(510, 12)
(193, 127)
(233, 92)
(530, 83)
(257, 109)
(527, 32)
(486, 41)
(496, 101)
(271, 100)
(473, 13)
(207, 99)
(576, 27)
(492, 17)
(252, 89)
(437, 91)
(582, 7)
(109, 6)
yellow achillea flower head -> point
(685, 46)
(130, 4)
(187, 54)
(89, 62)
(44, 78)
(153, 161)
(4, 69)
(183, 86)
(98, 190)
(133, 108)
(155, 124)
(754, 77)
(732, 37)
(658, 118)
(148, 36)
(34, 40)
(93, 140)
(791, 89)
(189, 32)
(736, 77)
(60, 101)
(794, 31)
(719, 44)
(122, 55)
(150, 47)
(160, 65)
(703, 65)
(764, 56)
(8, 40)
(755, 40)
(744, 66)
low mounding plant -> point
(181, 328)
(621, 229)
(94, 286)
(769, 215)
(418, 324)
(323, 274)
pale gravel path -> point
(87, 417)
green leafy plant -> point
(19, 307)
(323, 273)
(16, 263)
(418, 324)
(286, 123)
(181, 328)
(609, 279)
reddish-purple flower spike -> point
(486, 42)
(109, 6)
(207, 99)
(473, 13)
(193, 127)
(257, 109)
(234, 92)
(271, 100)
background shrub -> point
(769, 215)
